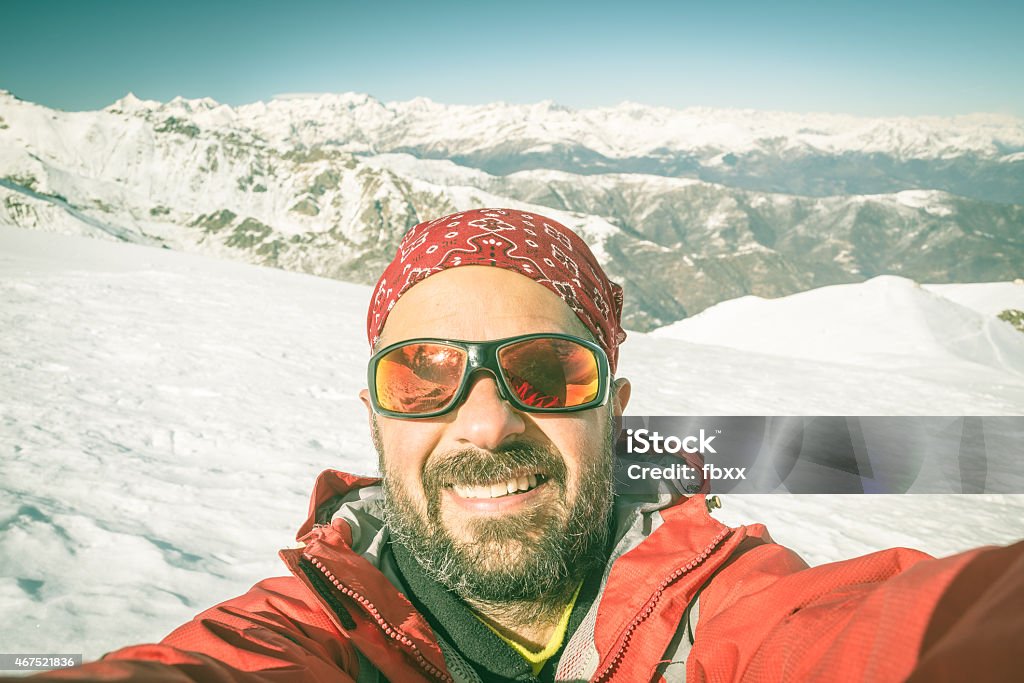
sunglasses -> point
(537, 373)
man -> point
(493, 549)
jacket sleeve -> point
(882, 617)
(268, 634)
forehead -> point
(478, 303)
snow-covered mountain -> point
(686, 207)
(713, 144)
(164, 416)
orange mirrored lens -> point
(419, 378)
(550, 373)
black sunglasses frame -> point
(484, 356)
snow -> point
(624, 131)
(885, 322)
(130, 104)
(931, 201)
(165, 414)
(988, 298)
(151, 172)
(828, 528)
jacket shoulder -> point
(274, 627)
(278, 612)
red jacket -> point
(761, 613)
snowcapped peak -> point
(551, 106)
(354, 99)
(130, 104)
(343, 99)
(888, 283)
(288, 96)
(201, 104)
(346, 98)
(630, 105)
(933, 202)
(419, 102)
(918, 198)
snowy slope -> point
(163, 416)
(886, 320)
(988, 298)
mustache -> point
(477, 467)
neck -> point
(525, 625)
(530, 624)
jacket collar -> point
(666, 547)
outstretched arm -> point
(268, 634)
(886, 616)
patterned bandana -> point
(539, 248)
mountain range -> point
(686, 208)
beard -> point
(536, 556)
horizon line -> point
(288, 96)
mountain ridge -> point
(284, 184)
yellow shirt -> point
(537, 660)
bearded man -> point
(494, 548)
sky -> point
(866, 58)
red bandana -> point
(539, 248)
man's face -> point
(445, 476)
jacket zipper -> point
(649, 608)
(386, 626)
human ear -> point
(364, 396)
(621, 390)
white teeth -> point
(523, 483)
(473, 491)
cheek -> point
(579, 441)
(407, 445)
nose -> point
(485, 419)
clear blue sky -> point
(862, 58)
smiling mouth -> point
(519, 485)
